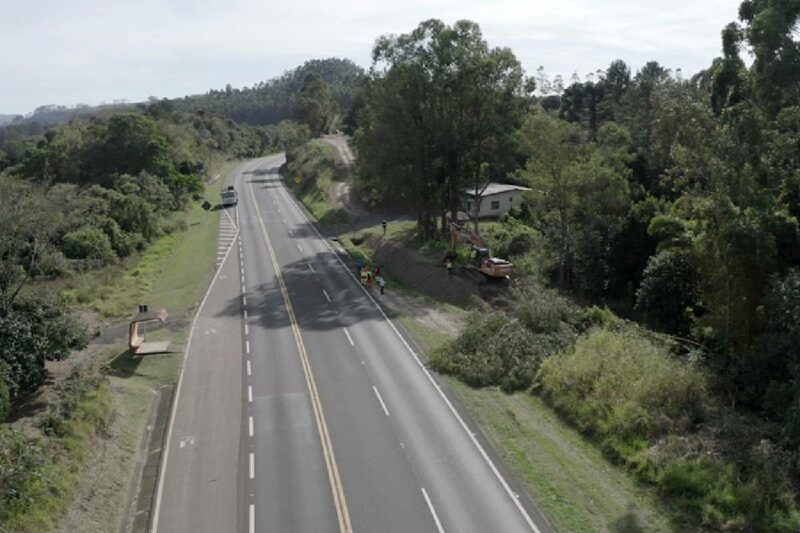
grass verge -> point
(311, 172)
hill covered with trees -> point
(275, 100)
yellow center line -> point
(327, 448)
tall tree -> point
(449, 104)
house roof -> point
(496, 188)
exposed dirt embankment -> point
(414, 270)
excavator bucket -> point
(136, 340)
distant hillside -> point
(49, 115)
(5, 119)
(272, 101)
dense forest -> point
(671, 202)
(275, 100)
(87, 193)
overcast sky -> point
(87, 51)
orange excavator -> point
(481, 261)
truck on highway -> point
(229, 196)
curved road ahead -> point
(301, 407)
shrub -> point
(33, 331)
(619, 384)
(5, 399)
(506, 349)
(88, 243)
(513, 239)
(668, 292)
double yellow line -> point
(337, 489)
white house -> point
(497, 199)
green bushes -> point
(505, 348)
(647, 410)
(668, 292)
(37, 473)
(90, 244)
(619, 384)
(311, 170)
(32, 331)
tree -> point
(581, 192)
(668, 293)
(441, 108)
(314, 105)
(771, 31)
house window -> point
(495, 204)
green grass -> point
(570, 480)
(49, 487)
(311, 172)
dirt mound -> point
(421, 273)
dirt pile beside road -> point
(414, 270)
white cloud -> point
(72, 51)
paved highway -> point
(301, 407)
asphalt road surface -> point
(301, 407)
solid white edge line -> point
(326, 295)
(514, 498)
(250, 394)
(249, 369)
(252, 465)
(433, 511)
(349, 338)
(168, 438)
(252, 528)
(250, 426)
(380, 399)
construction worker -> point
(369, 279)
(383, 223)
(364, 274)
(359, 264)
(377, 271)
(382, 283)
(449, 264)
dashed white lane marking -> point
(306, 216)
(311, 268)
(380, 399)
(250, 394)
(299, 247)
(290, 233)
(245, 314)
(247, 348)
(252, 518)
(252, 465)
(244, 300)
(249, 369)
(284, 220)
(242, 280)
(250, 426)
(326, 295)
(349, 338)
(439, 527)
(246, 330)
(242, 272)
